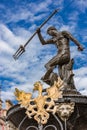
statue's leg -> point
(67, 74)
(47, 75)
(53, 62)
(56, 60)
(59, 60)
(49, 66)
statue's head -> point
(51, 30)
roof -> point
(9, 102)
(1, 100)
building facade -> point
(4, 125)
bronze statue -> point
(62, 59)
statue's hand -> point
(38, 30)
(80, 48)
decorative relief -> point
(48, 127)
(55, 91)
(40, 106)
(30, 127)
(22, 97)
(64, 110)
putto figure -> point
(61, 40)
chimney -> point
(8, 104)
(1, 104)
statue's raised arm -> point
(43, 42)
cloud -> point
(16, 26)
(7, 94)
(19, 73)
(8, 36)
(81, 71)
(81, 5)
(28, 13)
(23, 72)
(69, 28)
(23, 12)
(81, 79)
(4, 47)
(81, 83)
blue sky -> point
(18, 20)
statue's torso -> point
(62, 43)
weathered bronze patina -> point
(62, 59)
(61, 107)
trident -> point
(21, 49)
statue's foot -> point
(42, 78)
(47, 75)
(50, 70)
(45, 80)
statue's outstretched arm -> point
(80, 47)
(49, 41)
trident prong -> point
(20, 51)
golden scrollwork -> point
(22, 97)
(41, 115)
(55, 91)
(40, 106)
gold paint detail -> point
(55, 91)
(22, 97)
(40, 106)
